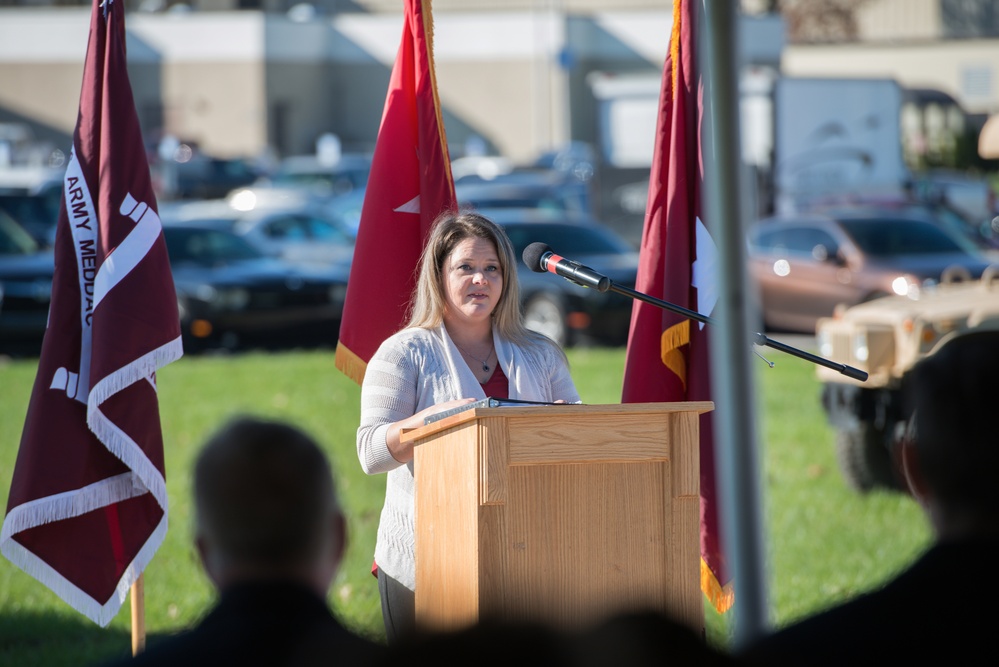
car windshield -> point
(13, 239)
(887, 237)
(207, 246)
(37, 209)
(566, 240)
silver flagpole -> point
(731, 376)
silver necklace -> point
(485, 366)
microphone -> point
(539, 258)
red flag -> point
(409, 186)
(667, 356)
(88, 504)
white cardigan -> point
(413, 370)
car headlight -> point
(243, 200)
(223, 298)
(205, 293)
(860, 349)
(824, 342)
(906, 286)
(232, 298)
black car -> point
(206, 177)
(564, 311)
(35, 207)
(25, 289)
(232, 295)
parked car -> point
(291, 228)
(576, 159)
(970, 196)
(547, 189)
(207, 177)
(32, 197)
(979, 233)
(345, 174)
(804, 266)
(25, 289)
(564, 311)
(477, 167)
(346, 209)
(232, 295)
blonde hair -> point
(428, 303)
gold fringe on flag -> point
(720, 597)
(350, 364)
(428, 29)
(674, 43)
(672, 340)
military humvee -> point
(886, 337)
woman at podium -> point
(465, 340)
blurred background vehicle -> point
(969, 198)
(325, 176)
(286, 223)
(885, 338)
(483, 167)
(31, 196)
(975, 235)
(805, 265)
(560, 180)
(26, 272)
(575, 159)
(530, 189)
(969, 195)
(231, 295)
(207, 177)
(562, 310)
(346, 209)
(181, 170)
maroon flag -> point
(410, 185)
(667, 356)
(88, 504)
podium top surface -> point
(556, 411)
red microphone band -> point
(551, 261)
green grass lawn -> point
(824, 543)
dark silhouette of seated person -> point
(939, 607)
(635, 639)
(271, 536)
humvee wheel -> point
(864, 459)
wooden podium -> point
(560, 514)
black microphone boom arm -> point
(537, 255)
(758, 338)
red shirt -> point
(497, 386)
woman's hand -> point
(403, 451)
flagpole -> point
(736, 464)
(138, 615)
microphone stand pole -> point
(758, 338)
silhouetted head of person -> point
(951, 456)
(266, 506)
